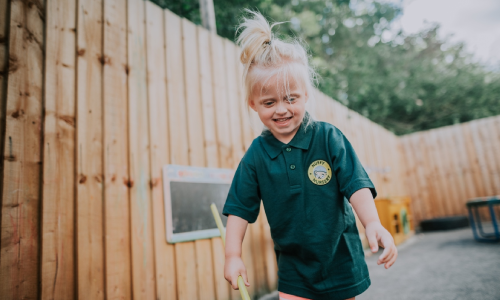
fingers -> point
(234, 282)
(372, 242)
(383, 257)
(392, 260)
(245, 277)
(388, 257)
(389, 249)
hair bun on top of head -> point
(260, 49)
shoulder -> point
(252, 151)
(329, 131)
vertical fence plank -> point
(495, 145)
(453, 179)
(411, 180)
(204, 271)
(115, 140)
(185, 256)
(175, 89)
(459, 169)
(435, 164)
(467, 168)
(187, 280)
(90, 246)
(233, 103)
(57, 268)
(158, 120)
(221, 285)
(221, 104)
(4, 71)
(473, 160)
(485, 138)
(19, 252)
(206, 96)
(422, 178)
(192, 93)
(143, 268)
(478, 144)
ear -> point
(252, 105)
(307, 96)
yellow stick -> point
(218, 221)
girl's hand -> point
(233, 268)
(377, 236)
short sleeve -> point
(348, 169)
(243, 199)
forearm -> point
(235, 232)
(364, 206)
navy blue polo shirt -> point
(304, 186)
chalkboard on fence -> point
(188, 193)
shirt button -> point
(292, 167)
(288, 149)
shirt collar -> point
(301, 139)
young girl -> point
(306, 173)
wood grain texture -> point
(179, 152)
(221, 285)
(115, 142)
(142, 238)
(158, 124)
(233, 103)
(494, 125)
(448, 166)
(194, 113)
(205, 270)
(221, 102)
(21, 182)
(207, 100)
(58, 239)
(4, 71)
(197, 153)
(89, 167)
(185, 259)
(187, 279)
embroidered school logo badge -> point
(320, 172)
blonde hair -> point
(261, 50)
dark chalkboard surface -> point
(191, 205)
(188, 194)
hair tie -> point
(267, 43)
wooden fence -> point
(100, 94)
(449, 165)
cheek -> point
(265, 113)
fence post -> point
(208, 15)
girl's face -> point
(280, 113)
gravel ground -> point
(448, 265)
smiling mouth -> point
(281, 120)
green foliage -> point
(405, 83)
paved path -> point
(447, 265)
(442, 265)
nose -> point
(280, 108)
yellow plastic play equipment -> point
(241, 283)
